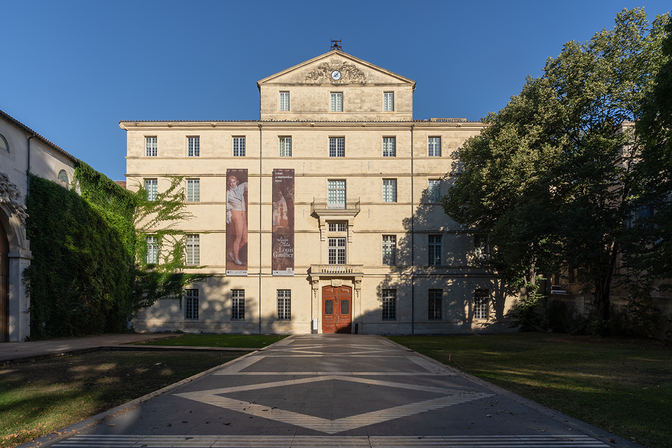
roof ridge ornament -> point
(336, 45)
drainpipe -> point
(28, 166)
(412, 239)
(260, 221)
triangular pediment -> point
(351, 70)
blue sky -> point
(71, 70)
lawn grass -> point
(40, 397)
(621, 385)
(218, 340)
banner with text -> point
(283, 222)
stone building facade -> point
(22, 151)
(322, 216)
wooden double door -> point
(336, 309)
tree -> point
(504, 188)
(552, 177)
(649, 246)
(164, 276)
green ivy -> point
(89, 273)
(81, 277)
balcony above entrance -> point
(333, 211)
(336, 269)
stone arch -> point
(13, 219)
(16, 232)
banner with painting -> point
(236, 222)
(283, 222)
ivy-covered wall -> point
(81, 277)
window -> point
(193, 190)
(4, 146)
(336, 101)
(434, 190)
(193, 250)
(237, 304)
(389, 146)
(150, 147)
(481, 304)
(284, 304)
(152, 250)
(336, 194)
(388, 101)
(389, 304)
(481, 248)
(151, 186)
(336, 250)
(434, 250)
(284, 101)
(389, 250)
(63, 176)
(389, 190)
(239, 146)
(285, 146)
(338, 226)
(193, 146)
(434, 304)
(191, 304)
(434, 147)
(336, 146)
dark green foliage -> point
(555, 178)
(89, 273)
(643, 317)
(81, 276)
(525, 314)
(557, 317)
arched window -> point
(62, 175)
(4, 146)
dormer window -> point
(336, 102)
(284, 101)
(388, 102)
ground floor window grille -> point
(191, 304)
(389, 304)
(481, 304)
(284, 304)
(434, 305)
(238, 304)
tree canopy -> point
(552, 177)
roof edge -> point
(44, 140)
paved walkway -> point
(333, 391)
(17, 351)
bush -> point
(557, 319)
(642, 316)
(525, 314)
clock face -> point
(336, 75)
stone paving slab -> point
(337, 390)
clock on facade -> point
(335, 75)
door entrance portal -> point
(337, 309)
